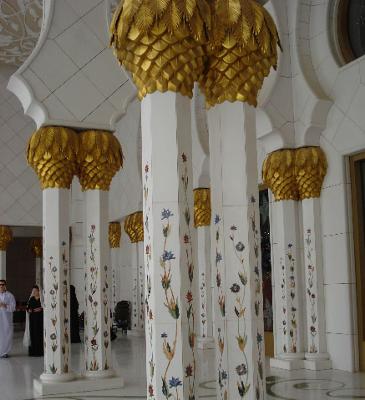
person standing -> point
(35, 310)
(74, 316)
(7, 307)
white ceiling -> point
(20, 194)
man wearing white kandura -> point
(7, 307)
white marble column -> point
(115, 232)
(202, 220)
(316, 356)
(288, 312)
(133, 226)
(311, 168)
(238, 313)
(56, 211)
(171, 273)
(98, 281)
(52, 154)
(5, 239)
(99, 157)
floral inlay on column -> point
(311, 293)
(53, 334)
(66, 323)
(171, 303)
(150, 357)
(222, 373)
(190, 369)
(239, 291)
(93, 287)
(254, 234)
(141, 297)
(203, 296)
(293, 334)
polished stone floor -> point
(17, 373)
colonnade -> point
(57, 154)
(295, 177)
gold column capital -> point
(36, 246)
(310, 170)
(161, 43)
(242, 49)
(6, 236)
(133, 226)
(115, 232)
(202, 207)
(52, 154)
(278, 173)
(99, 158)
(295, 174)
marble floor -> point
(17, 374)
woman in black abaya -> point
(74, 316)
(35, 310)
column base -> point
(204, 343)
(317, 361)
(289, 362)
(136, 332)
(78, 385)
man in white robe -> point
(7, 307)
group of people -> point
(33, 336)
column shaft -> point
(141, 293)
(38, 272)
(238, 314)
(288, 312)
(171, 279)
(316, 332)
(98, 275)
(56, 285)
(205, 339)
(114, 259)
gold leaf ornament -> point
(52, 153)
(115, 232)
(278, 173)
(310, 170)
(6, 236)
(160, 42)
(100, 157)
(202, 207)
(133, 227)
(242, 49)
(295, 174)
(36, 247)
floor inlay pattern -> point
(17, 374)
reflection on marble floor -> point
(17, 374)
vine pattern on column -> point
(254, 233)
(92, 289)
(203, 297)
(53, 334)
(151, 390)
(293, 332)
(171, 303)
(284, 305)
(141, 297)
(65, 295)
(190, 370)
(106, 332)
(239, 292)
(86, 331)
(311, 293)
(135, 299)
(222, 373)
